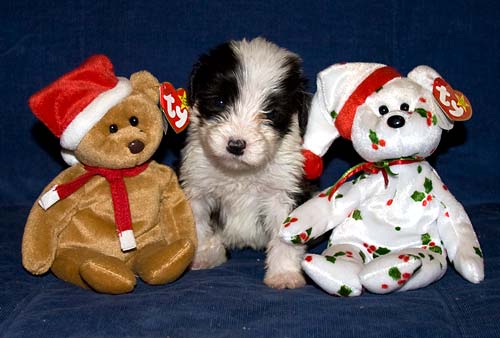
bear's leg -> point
(159, 263)
(336, 269)
(90, 269)
(404, 270)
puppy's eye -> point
(270, 114)
(113, 128)
(405, 106)
(134, 121)
(219, 103)
(383, 110)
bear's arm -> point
(457, 234)
(176, 216)
(320, 214)
(43, 227)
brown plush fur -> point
(76, 238)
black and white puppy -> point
(242, 164)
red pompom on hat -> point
(74, 103)
(341, 89)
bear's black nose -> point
(396, 121)
(236, 147)
(135, 146)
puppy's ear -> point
(304, 103)
(192, 83)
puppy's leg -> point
(283, 260)
(210, 252)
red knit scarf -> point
(121, 207)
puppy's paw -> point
(209, 255)
(285, 280)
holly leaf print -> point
(436, 249)
(422, 112)
(362, 255)
(382, 251)
(344, 291)
(333, 114)
(478, 252)
(357, 215)
(428, 185)
(331, 259)
(426, 238)
(418, 196)
(373, 137)
(394, 273)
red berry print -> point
(401, 281)
(365, 245)
(308, 258)
(348, 254)
(424, 202)
(374, 146)
(406, 275)
(445, 187)
(429, 198)
(289, 221)
(422, 99)
(303, 236)
(389, 202)
(429, 121)
(405, 258)
(381, 143)
(384, 286)
(432, 244)
(447, 214)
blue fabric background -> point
(40, 40)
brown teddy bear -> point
(114, 213)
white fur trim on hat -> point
(321, 132)
(89, 116)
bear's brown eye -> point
(134, 121)
(383, 110)
(405, 106)
(113, 128)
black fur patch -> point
(291, 98)
(213, 81)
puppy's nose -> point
(396, 121)
(136, 146)
(236, 147)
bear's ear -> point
(424, 76)
(145, 83)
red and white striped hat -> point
(341, 89)
(74, 103)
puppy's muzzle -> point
(236, 147)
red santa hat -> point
(341, 89)
(74, 103)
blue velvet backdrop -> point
(40, 40)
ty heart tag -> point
(173, 102)
(453, 103)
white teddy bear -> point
(395, 224)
